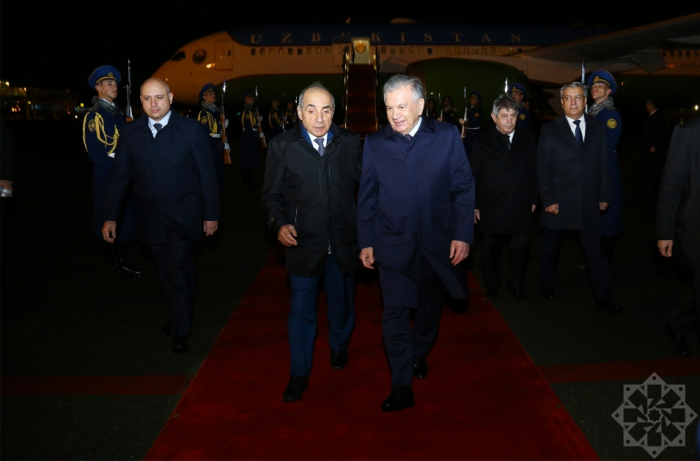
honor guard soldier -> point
(250, 138)
(518, 92)
(450, 114)
(473, 122)
(274, 118)
(431, 109)
(290, 116)
(603, 86)
(210, 118)
(101, 127)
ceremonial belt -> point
(215, 135)
(477, 128)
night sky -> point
(58, 46)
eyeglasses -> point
(577, 97)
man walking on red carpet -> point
(309, 195)
(415, 217)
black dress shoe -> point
(492, 293)
(420, 368)
(295, 388)
(517, 292)
(166, 329)
(401, 397)
(459, 306)
(677, 341)
(548, 291)
(180, 344)
(607, 306)
(339, 359)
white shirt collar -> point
(314, 137)
(112, 103)
(573, 126)
(164, 121)
(415, 128)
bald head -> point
(156, 98)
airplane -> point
(281, 60)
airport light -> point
(696, 107)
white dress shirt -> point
(573, 127)
(163, 121)
(313, 140)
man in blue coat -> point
(415, 219)
(101, 128)
(168, 160)
(572, 170)
(603, 86)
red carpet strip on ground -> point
(94, 385)
(483, 398)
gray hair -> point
(574, 85)
(155, 79)
(504, 102)
(400, 80)
(315, 86)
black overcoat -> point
(574, 177)
(173, 178)
(506, 181)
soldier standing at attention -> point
(518, 92)
(473, 121)
(450, 114)
(431, 110)
(274, 118)
(210, 118)
(290, 116)
(250, 138)
(101, 127)
(603, 86)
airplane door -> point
(224, 54)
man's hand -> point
(665, 247)
(462, 121)
(367, 257)
(533, 208)
(5, 184)
(210, 227)
(458, 251)
(603, 206)
(287, 235)
(477, 215)
(109, 231)
(554, 209)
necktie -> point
(321, 149)
(579, 133)
(158, 126)
(408, 137)
(506, 138)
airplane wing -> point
(637, 46)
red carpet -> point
(483, 398)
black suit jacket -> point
(574, 177)
(678, 211)
(506, 181)
(173, 178)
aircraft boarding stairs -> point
(360, 77)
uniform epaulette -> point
(611, 107)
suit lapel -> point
(566, 132)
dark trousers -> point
(302, 319)
(175, 260)
(686, 315)
(401, 343)
(518, 248)
(596, 266)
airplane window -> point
(687, 53)
(447, 50)
(501, 50)
(318, 50)
(290, 51)
(262, 51)
(252, 51)
(383, 50)
(280, 50)
(439, 49)
(520, 50)
(393, 50)
(420, 49)
(484, 50)
(510, 49)
(696, 53)
(493, 50)
(229, 53)
(272, 51)
(179, 56)
(308, 50)
(410, 49)
(402, 50)
(672, 53)
(328, 50)
(430, 50)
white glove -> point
(226, 147)
(226, 124)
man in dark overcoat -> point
(572, 170)
(654, 141)
(415, 219)
(309, 195)
(678, 225)
(102, 126)
(505, 172)
(168, 160)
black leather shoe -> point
(607, 306)
(180, 344)
(492, 293)
(677, 341)
(458, 306)
(339, 359)
(548, 291)
(166, 329)
(401, 397)
(295, 388)
(517, 292)
(420, 368)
